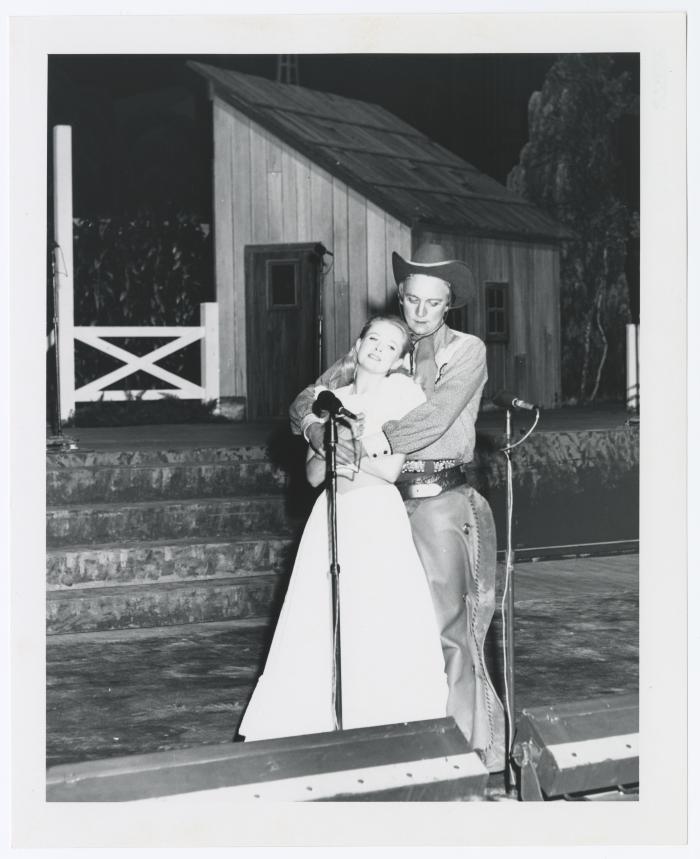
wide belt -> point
(428, 466)
(427, 485)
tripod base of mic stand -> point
(512, 790)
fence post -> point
(63, 256)
(209, 320)
(633, 368)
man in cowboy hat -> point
(452, 524)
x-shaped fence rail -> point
(98, 339)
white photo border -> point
(660, 815)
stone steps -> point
(155, 561)
(150, 454)
(150, 537)
(107, 483)
(163, 604)
(132, 522)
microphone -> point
(327, 401)
(509, 400)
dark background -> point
(141, 123)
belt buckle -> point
(423, 490)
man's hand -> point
(347, 449)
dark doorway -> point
(282, 336)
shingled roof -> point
(382, 157)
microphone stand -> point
(509, 612)
(508, 605)
(331, 442)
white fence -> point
(98, 337)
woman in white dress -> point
(392, 668)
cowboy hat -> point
(431, 259)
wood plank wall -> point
(532, 272)
(264, 192)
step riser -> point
(85, 458)
(94, 610)
(151, 483)
(149, 563)
(224, 519)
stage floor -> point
(138, 691)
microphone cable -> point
(506, 450)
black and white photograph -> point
(342, 386)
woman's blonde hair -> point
(350, 360)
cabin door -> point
(281, 332)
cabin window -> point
(282, 284)
(497, 312)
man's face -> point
(425, 301)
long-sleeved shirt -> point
(443, 426)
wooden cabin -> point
(312, 193)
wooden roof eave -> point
(489, 233)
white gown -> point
(392, 666)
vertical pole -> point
(332, 489)
(209, 320)
(636, 365)
(320, 328)
(63, 253)
(319, 308)
(632, 369)
(510, 671)
(53, 342)
(509, 632)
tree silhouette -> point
(571, 168)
